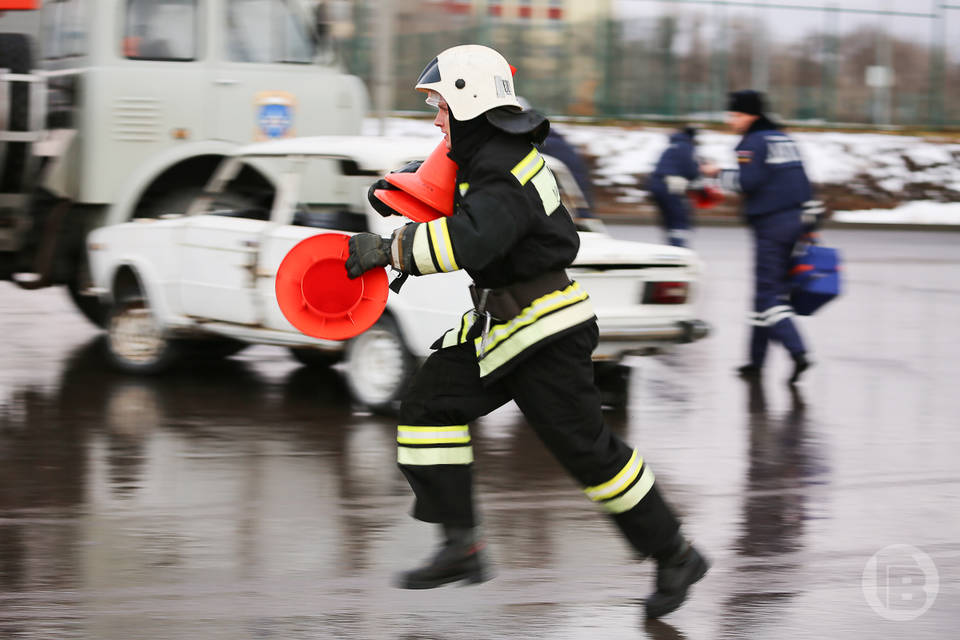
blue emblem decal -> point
(275, 120)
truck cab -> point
(135, 102)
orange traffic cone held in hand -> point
(432, 184)
(405, 204)
(316, 296)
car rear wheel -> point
(379, 367)
(135, 342)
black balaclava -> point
(467, 136)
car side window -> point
(247, 195)
(160, 30)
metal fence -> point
(830, 64)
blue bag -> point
(814, 277)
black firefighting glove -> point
(367, 251)
(813, 214)
(380, 207)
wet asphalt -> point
(249, 499)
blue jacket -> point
(678, 159)
(770, 171)
(557, 146)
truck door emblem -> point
(274, 112)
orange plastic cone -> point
(404, 203)
(706, 197)
(433, 183)
(317, 297)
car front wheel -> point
(135, 343)
(379, 367)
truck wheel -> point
(90, 306)
(135, 343)
(379, 367)
(15, 56)
(316, 357)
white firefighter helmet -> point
(472, 79)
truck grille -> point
(136, 119)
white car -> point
(203, 281)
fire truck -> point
(118, 109)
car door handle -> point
(226, 81)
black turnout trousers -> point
(554, 388)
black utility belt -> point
(505, 303)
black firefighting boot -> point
(461, 557)
(800, 364)
(675, 573)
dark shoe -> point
(459, 558)
(749, 372)
(674, 577)
(800, 364)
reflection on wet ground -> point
(249, 499)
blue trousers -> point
(774, 236)
(674, 213)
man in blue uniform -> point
(528, 339)
(777, 197)
(675, 170)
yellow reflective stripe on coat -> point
(459, 434)
(528, 167)
(464, 187)
(466, 322)
(539, 307)
(458, 335)
(428, 456)
(422, 255)
(442, 247)
(546, 185)
(619, 482)
(450, 339)
(532, 334)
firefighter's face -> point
(740, 122)
(443, 120)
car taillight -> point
(665, 292)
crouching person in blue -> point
(777, 196)
(669, 182)
(529, 337)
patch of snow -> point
(919, 212)
(927, 155)
(623, 155)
